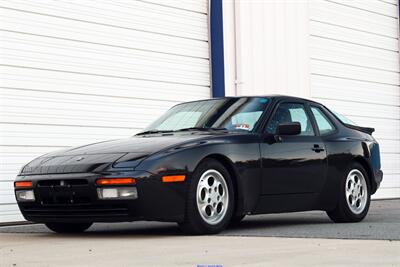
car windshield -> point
(234, 114)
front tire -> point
(210, 199)
(68, 228)
(354, 196)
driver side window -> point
(291, 112)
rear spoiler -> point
(361, 129)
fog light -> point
(117, 193)
(25, 195)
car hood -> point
(99, 156)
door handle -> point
(317, 148)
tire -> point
(68, 228)
(210, 199)
(354, 196)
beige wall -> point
(266, 47)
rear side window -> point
(344, 119)
(325, 126)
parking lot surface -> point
(382, 223)
(297, 239)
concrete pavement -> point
(45, 249)
(382, 223)
(265, 240)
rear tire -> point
(210, 199)
(354, 196)
(67, 228)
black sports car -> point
(208, 163)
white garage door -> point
(74, 72)
(355, 70)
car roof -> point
(272, 97)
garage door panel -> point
(56, 135)
(10, 213)
(144, 17)
(328, 31)
(335, 69)
(7, 197)
(349, 53)
(7, 185)
(391, 181)
(49, 139)
(91, 68)
(391, 163)
(357, 19)
(387, 193)
(78, 73)
(385, 129)
(354, 63)
(93, 33)
(389, 147)
(353, 108)
(324, 87)
(373, 6)
(195, 6)
(132, 65)
(54, 108)
(393, 2)
(47, 80)
(83, 50)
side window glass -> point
(324, 125)
(290, 112)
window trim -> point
(306, 109)
(322, 109)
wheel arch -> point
(229, 165)
(364, 163)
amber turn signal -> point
(173, 178)
(116, 181)
(23, 184)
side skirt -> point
(287, 203)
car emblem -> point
(80, 158)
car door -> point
(295, 163)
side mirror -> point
(291, 128)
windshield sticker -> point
(243, 126)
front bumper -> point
(77, 201)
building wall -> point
(344, 54)
(78, 72)
(354, 69)
(266, 47)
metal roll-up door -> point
(354, 50)
(75, 72)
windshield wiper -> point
(183, 129)
(201, 129)
(154, 131)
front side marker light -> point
(173, 178)
(25, 195)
